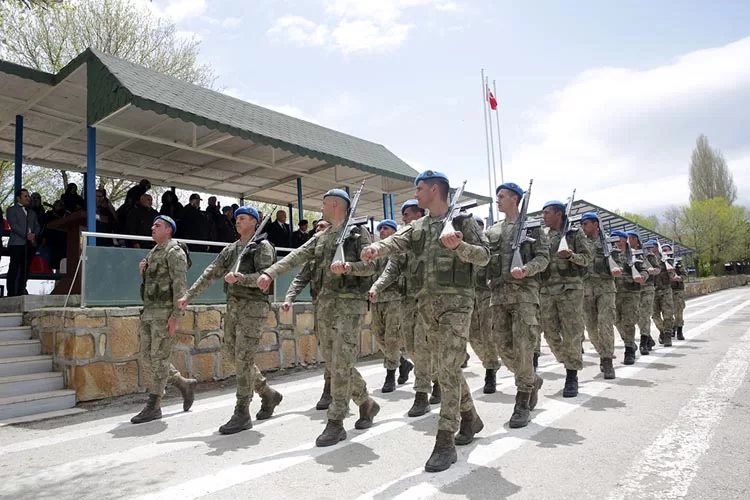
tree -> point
(645, 221)
(709, 175)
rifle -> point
(563, 246)
(339, 256)
(630, 256)
(257, 237)
(664, 258)
(453, 211)
(644, 253)
(607, 251)
(522, 226)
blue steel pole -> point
(91, 182)
(291, 225)
(392, 200)
(385, 206)
(299, 199)
(18, 178)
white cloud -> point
(176, 10)
(362, 36)
(299, 30)
(623, 137)
(231, 22)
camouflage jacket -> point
(164, 281)
(436, 270)
(392, 286)
(599, 275)
(303, 278)
(662, 281)
(566, 274)
(679, 270)
(654, 263)
(625, 282)
(481, 279)
(505, 288)
(254, 262)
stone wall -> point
(97, 348)
(711, 285)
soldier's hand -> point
(372, 295)
(369, 254)
(519, 272)
(639, 279)
(264, 281)
(183, 303)
(617, 272)
(452, 240)
(286, 306)
(653, 271)
(232, 278)
(564, 254)
(142, 266)
(340, 267)
(677, 278)
(171, 326)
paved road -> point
(674, 425)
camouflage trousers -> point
(385, 326)
(340, 326)
(678, 301)
(156, 350)
(626, 315)
(480, 334)
(242, 333)
(645, 308)
(446, 320)
(517, 332)
(663, 312)
(562, 322)
(599, 315)
(415, 340)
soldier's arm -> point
(475, 248)
(298, 257)
(177, 263)
(584, 254)
(391, 273)
(398, 242)
(361, 268)
(264, 257)
(299, 283)
(656, 263)
(215, 270)
(540, 249)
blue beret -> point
(650, 243)
(247, 211)
(621, 234)
(633, 233)
(554, 203)
(339, 193)
(169, 220)
(512, 186)
(431, 174)
(388, 223)
(407, 204)
(226, 208)
(589, 216)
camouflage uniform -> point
(444, 283)
(480, 334)
(515, 303)
(561, 297)
(599, 302)
(678, 295)
(164, 283)
(627, 303)
(340, 309)
(247, 309)
(663, 309)
(386, 316)
(648, 290)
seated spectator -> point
(72, 200)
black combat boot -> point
(325, 398)
(608, 369)
(443, 454)
(241, 420)
(332, 434)
(651, 343)
(667, 339)
(269, 400)
(674, 331)
(152, 410)
(534, 396)
(466, 361)
(470, 424)
(629, 356)
(536, 360)
(490, 381)
(390, 381)
(420, 406)
(436, 395)
(403, 370)
(661, 338)
(367, 412)
(680, 336)
(187, 389)
(571, 384)
(644, 345)
(521, 413)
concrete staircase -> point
(28, 386)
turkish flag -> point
(491, 98)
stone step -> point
(25, 365)
(11, 319)
(20, 348)
(38, 417)
(15, 333)
(32, 383)
(41, 402)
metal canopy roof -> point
(610, 221)
(153, 126)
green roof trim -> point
(27, 73)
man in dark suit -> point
(24, 231)
(279, 232)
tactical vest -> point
(481, 279)
(599, 268)
(343, 285)
(156, 286)
(563, 267)
(663, 280)
(501, 256)
(680, 271)
(247, 267)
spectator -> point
(171, 206)
(140, 220)
(279, 233)
(24, 231)
(301, 235)
(56, 240)
(72, 199)
(134, 193)
(38, 207)
(106, 219)
(194, 224)
(225, 226)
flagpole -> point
(487, 143)
(492, 140)
(499, 144)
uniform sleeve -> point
(299, 283)
(475, 248)
(298, 257)
(177, 263)
(655, 263)
(264, 257)
(362, 268)
(584, 254)
(540, 250)
(391, 273)
(215, 270)
(398, 242)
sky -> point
(604, 97)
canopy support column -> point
(385, 206)
(91, 182)
(301, 209)
(18, 175)
(291, 225)
(392, 199)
